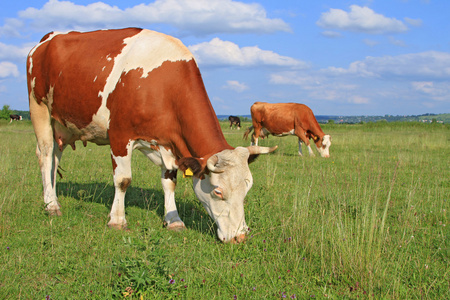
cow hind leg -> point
(122, 180)
(48, 154)
(171, 217)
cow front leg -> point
(122, 180)
(171, 217)
(300, 147)
(302, 138)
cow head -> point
(323, 145)
(221, 185)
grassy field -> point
(371, 222)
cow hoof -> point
(118, 226)
(176, 226)
(54, 212)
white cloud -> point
(8, 69)
(331, 34)
(359, 100)
(11, 28)
(236, 86)
(370, 43)
(360, 19)
(396, 42)
(319, 86)
(437, 91)
(10, 52)
(414, 22)
(295, 78)
(429, 64)
(225, 53)
(197, 17)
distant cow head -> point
(221, 184)
(323, 145)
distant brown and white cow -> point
(14, 118)
(235, 121)
(282, 119)
(136, 89)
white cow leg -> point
(45, 151)
(122, 180)
(311, 153)
(255, 142)
(49, 155)
(300, 147)
(171, 217)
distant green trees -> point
(5, 112)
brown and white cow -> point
(136, 89)
(282, 119)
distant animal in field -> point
(136, 89)
(282, 119)
(15, 118)
(264, 133)
(235, 121)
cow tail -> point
(247, 132)
(59, 173)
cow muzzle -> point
(237, 239)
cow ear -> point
(192, 163)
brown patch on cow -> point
(124, 184)
(46, 36)
(56, 64)
(192, 163)
(171, 174)
(164, 110)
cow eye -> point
(218, 192)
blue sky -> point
(339, 57)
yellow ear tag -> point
(188, 173)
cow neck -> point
(203, 137)
(201, 132)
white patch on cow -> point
(146, 50)
(95, 79)
(291, 132)
(49, 98)
(161, 157)
(122, 174)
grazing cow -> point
(235, 121)
(283, 119)
(136, 89)
(15, 118)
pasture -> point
(371, 222)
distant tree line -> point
(426, 118)
(7, 111)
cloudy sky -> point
(340, 57)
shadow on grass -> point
(151, 199)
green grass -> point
(372, 221)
